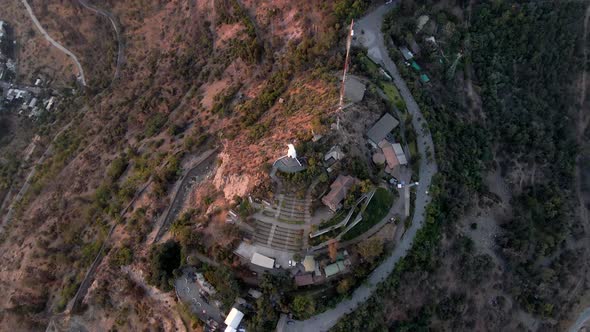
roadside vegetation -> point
(375, 212)
(523, 123)
(164, 260)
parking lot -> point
(189, 292)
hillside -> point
(155, 182)
(507, 246)
(195, 76)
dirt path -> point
(55, 43)
(10, 212)
(116, 27)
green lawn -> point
(370, 66)
(393, 95)
(375, 212)
(337, 218)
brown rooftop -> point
(338, 191)
(303, 279)
(389, 154)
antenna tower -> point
(346, 60)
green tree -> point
(163, 260)
(344, 285)
(303, 306)
(122, 256)
(370, 249)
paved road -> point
(582, 321)
(195, 175)
(55, 43)
(187, 291)
(116, 27)
(371, 24)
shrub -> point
(163, 260)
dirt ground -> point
(50, 242)
(35, 55)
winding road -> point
(372, 39)
(55, 43)
(117, 29)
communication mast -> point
(346, 60)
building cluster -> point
(25, 100)
(388, 153)
(317, 272)
(29, 101)
(410, 61)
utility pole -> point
(346, 60)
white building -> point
(233, 320)
(261, 260)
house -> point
(309, 263)
(303, 279)
(49, 103)
(333, 269)
(335, 153)
(338, 191)
(389, 154)
(14, 94)
(233, 320)
(256, 294)
(263, 261)
(424, 78)
(406, 53)
(382, 128)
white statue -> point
(291, 153)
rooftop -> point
(334, 269)
(382, 128)
(406, 53)
(261, 260)
(309, 263)
(389, 153)
(233, 319)
(303, 279)
(338, 191)
(399, 153)
(334, 153)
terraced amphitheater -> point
(292, 209)
(282, 237)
